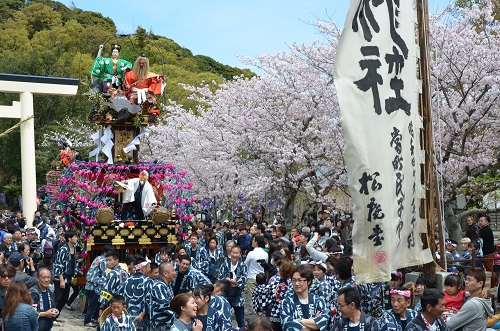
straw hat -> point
(106, 313)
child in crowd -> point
(260, 292)
(454, 295)
(419, 290)
(118, 320)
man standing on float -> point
(140, 195)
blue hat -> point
(16, 257)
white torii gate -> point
(26, 86)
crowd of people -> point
(256, 275)
(37, 268)
(478, 242)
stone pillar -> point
(28, 164)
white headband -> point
(142, 264)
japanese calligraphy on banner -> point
(377, 86)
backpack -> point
(48, 249)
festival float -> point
(92, 194)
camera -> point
(54, 311)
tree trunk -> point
(288, 208)
(452, 223)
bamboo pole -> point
(429, 207)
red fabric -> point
(66, 157)
(153, 84)
(454, 302)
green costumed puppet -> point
(110, 70)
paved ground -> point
(72, 320)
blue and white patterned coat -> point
(221, 238)
(380, 299)
(215, 262)
(365, 297)
(334, 282)
(96, 276)
(200, 260)
(36, 293)
(110, 325)
(160, 316)
(260, 297)
(216, 321)
(219, 255)
(391, 321)
(272, 294)
(62, 265)
(137, 292)
(201, 242)
(241, 272)
(418, 324)
(290, 313)
(158, 258)
(366, 323)
(220, 303)
(192, 279)
(465, 256)
(113, 284)
(327, 293)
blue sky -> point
(223, 29)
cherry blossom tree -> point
(466, 106)
(278, 133)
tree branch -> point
(475, 212)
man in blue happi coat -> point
(187, 278)
(114, 280)
(198, 254)
(96, 277)
(137, 292)
(161, 295)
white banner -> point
(107, 140)
(136, 141)
(96, 138)
(377, 86)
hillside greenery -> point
(46, 38)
